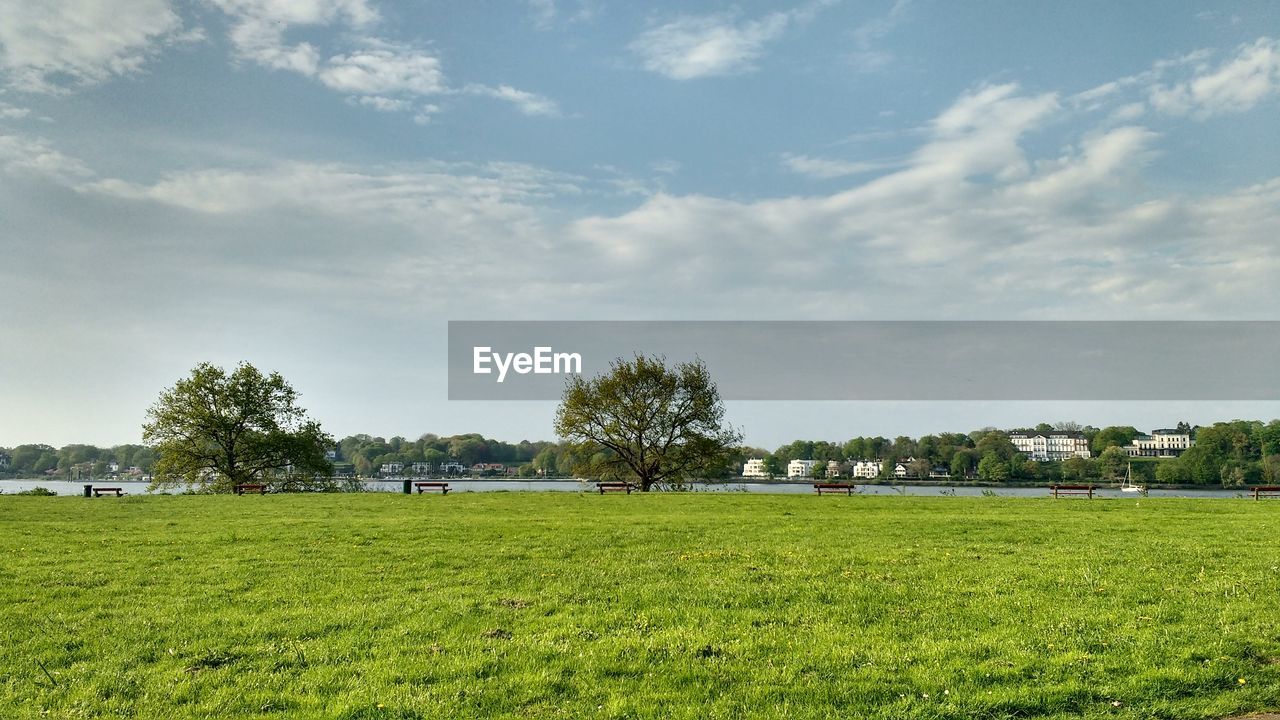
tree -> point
(993, 468)
(1111, 461)
(217, 429)
(652, 424)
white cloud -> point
(11, 112)
(259, 28)
(330, 188)
(527, 102)
(383, 71)
(1235, 85)
(22, 155)
(708, 45)
(870, 56)
(972, 225)
(47, 45)
(382, 104)
(828, 168)
(378, 74)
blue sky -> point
(317, 186)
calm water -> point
(62, 487)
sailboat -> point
(1128, 484)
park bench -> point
(604, 487)
(1266, 491)
(846, 488)
(422, 487)
(100, 491)
(243, 488)
(1072, 490)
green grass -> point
(663, 606)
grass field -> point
(663, 606)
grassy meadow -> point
(553, 605)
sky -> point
(318, 186)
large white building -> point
(754, 468)
(867, 468)
(1160, 443)
(1053, 445)
(800, 468)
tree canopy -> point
(216, 429)
(647, 422)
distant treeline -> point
(1231, 454)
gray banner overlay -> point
(884, 360)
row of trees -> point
(39, 459)
(1231, 454)
(365, 454)
(643, 421)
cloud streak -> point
(55, 45)
(698, 46)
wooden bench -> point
(422, 487)
(100, 491)
(604, 487)
(846, 488)
(1073, 490)
(251, 488)
(1262, 491)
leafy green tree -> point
(818, 471)
(1173, 472)
(773, 466)
(652, 423)
(1078, 468)
(217, 429)
(1111, 462)
(998, 443)
(993, 468)
(1114, 436)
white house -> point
(867, 468)
(1160, 443)
(1053, 445)
(421, 468)
(834, 469)
(392, 468)
(800, 468)
(754, 468)
(4, 460)
(452, 467)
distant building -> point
(1053, 445)
(800, 468)
(754, 468)
(4, 461)
(330, 455)
(420, 468)
(1160, 443)
(833, 469)
(392, 468)
(491, 468)
(113, 467)
(453, 467)
(867, 468)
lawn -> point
(663, 606)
